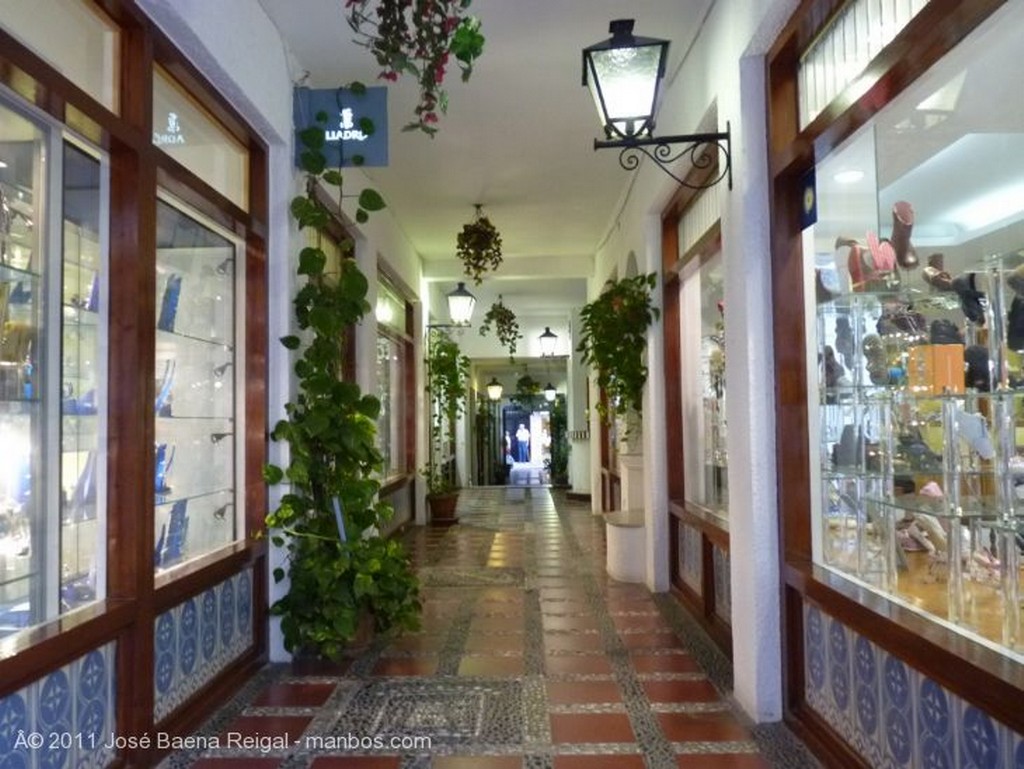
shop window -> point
(702, 333)
(915, 278)
(394, 359)
(198, 425)
(52, 421)
(74, 37)
(843, 50)
(190, 135)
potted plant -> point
(447, 378)
(479, 246)
(613, 339)
(418, 37)
(505, 325)
(344, 577)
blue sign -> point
(349, 116)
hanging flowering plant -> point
(417, 37)
(506, 326)
(479, 246)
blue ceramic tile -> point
(839, 671)
(867, 700)
(53, 718)
(208, 625)
(188, 630)
(245, 603)
(227, 612)
(166, 639)
(981, 739)
(897, 713)
(935, 726)
(92, 679)
(14, 721)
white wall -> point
(725, 68)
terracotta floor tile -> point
(646, 622)
(492, 666)
(664, 663)
(556, 664)
(582, 622)
(576, 692)
(297, 695)
(701, 727)
(495, 643)
(650, 641)
(476, 762)
(425, 642)
(289, 727)
(357, 762)
(318, 667)
(406, 666)
(723, 761)
(618, 761)
(591, 727)
(577, 642)
(500, 624)
(680, 691)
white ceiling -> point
(517, 138)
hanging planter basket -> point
(505, 325)
(479, 247)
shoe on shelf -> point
(902, 225)
(883, 255)
(970, 298)
(935, 274)
(850, 250)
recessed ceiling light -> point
(849, 176)
(3, 164)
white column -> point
(750, 410)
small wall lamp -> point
(625, 75)
(548, 340)
(550, 392)
(460, 305)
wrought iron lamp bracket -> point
(662, 152)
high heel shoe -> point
(902, 225)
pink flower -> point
(430, 117)
(392, 76)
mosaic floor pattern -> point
(530, 657)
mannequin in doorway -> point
(523, 443)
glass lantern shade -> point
(547, 342)
(550, 392)
(460, 305)
(624, 75)
(494, 389)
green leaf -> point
(361, 216)
(312, 261)
(272, 474)
(371, 200)
(333, 176)
(312, 161)
(367, 126)
(358, 160)
(292, 342)
(312, 137)
(357, 88)
(278, 574)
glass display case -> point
(195, 453)
(914, 274)
(52, 389)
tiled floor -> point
(530, 657)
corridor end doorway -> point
(527, 441)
